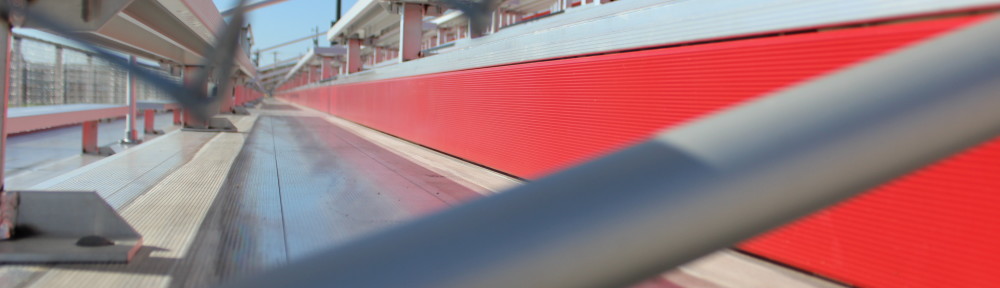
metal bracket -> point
(65, 226)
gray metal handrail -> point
(695, 189)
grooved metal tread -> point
(301, 185)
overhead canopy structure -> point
(177, 31)
(314, 57)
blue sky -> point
(289, 20)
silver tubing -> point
(5, 44)
(695, 189)
(131, 136)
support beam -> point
(60, 77)
(353, 56)
(190, 121)
(90, 138)
(238, 94)
(131, 136)
(149, 119)
(410, 31)
(226, 97)
(5, 41)
(177, 116)
(327, 67)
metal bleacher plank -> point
(36, 157)
(167, 216)
(23, 119)
(243, 231)
(300, 185)
(121, 181)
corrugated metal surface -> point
(934, 228)
(532, 119)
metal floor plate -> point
(300, 185)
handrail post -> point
(131, 135)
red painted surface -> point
(536, 15)
(149, 118)
(177, 116)
(89, 138)
(532, 119)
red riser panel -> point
(532, 119)
(938, 227)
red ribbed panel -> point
(938, 227)
(927, 230)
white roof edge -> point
(357, 10)
(447, 17)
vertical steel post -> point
(327, 67)
(60, 77)
(353, 56)
(238, 94)
(5, 42)
(189, 75)
(93, 78)
(226, 97)
(177, 116)
(149, 120)
(410, 31)
(493, 22)
(131, 136)
(89, 138)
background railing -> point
(47, 73)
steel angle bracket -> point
(64, 227)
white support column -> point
(410, 31)
(493, 22)
(131, 135)
(353, 56)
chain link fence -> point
(46, 73)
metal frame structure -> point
(182, 32)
